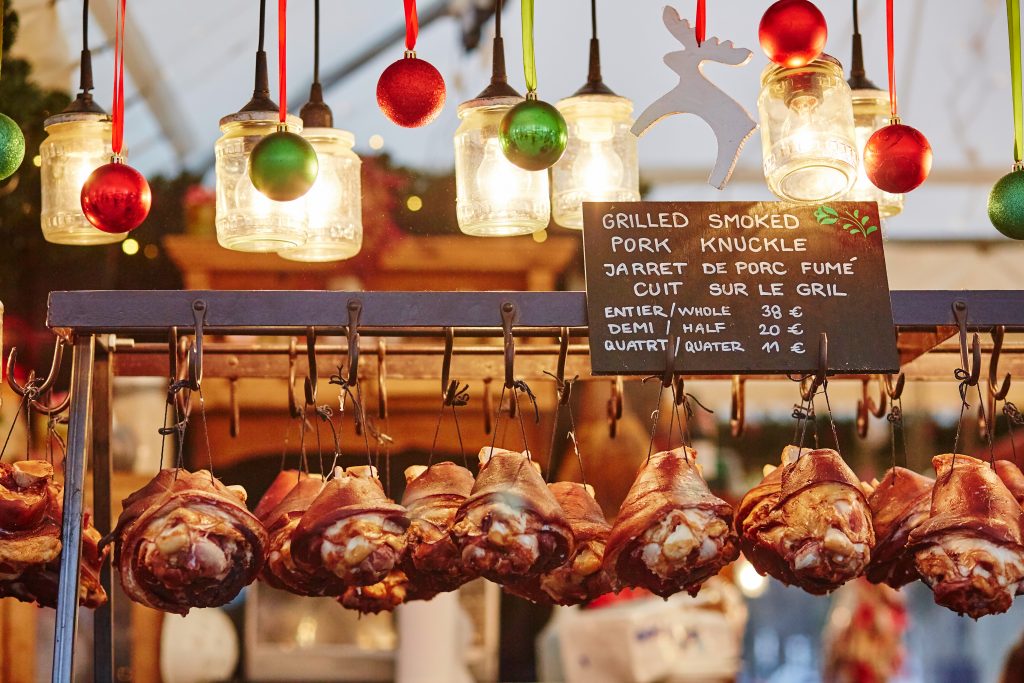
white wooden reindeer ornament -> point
(695, 94)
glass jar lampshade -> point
(77, 143)
(871, 112)
(494, 197)
(247, 220)
(333, 205)
(600, 161)
(807, 131)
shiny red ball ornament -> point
(116, 198)
(897, 158)
(792, 32)
(411, 92)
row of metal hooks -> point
(186, 372)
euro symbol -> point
(795, 328)
(796, 312)
(797, 348)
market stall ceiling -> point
(191, 62)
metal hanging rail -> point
(923, 320)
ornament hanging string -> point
(1013, 25)
(701, 25)
(529, 60)
(117, 116)
(412, 25)
(890, 43)
(282, 45)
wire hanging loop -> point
(969, 371)
(867, 406)
(195, 354)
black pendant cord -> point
(595, 83)
(593, 19)
(497, 20)
(858, 77)
(316, 41)
(85, 74)
(263, 24)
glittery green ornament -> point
(283, 166)
(1006, 205)
(533, 135)
(12, 146)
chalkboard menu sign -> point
(740, 287)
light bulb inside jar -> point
(807, 131)
(497, 178)
(597, 170)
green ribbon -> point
(1013, 23)
(529, 61)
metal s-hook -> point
(998, 333)
(195, 354)
(382, 373)
(970, 362)
(446, 362)
(294, 409)
(615, 406)
(866, 406)
(235, 426)
(669, 370)
(564, 386)
(508, 315)
(32, 386)
(810, 385)
(894, 389)
(738, 407)
(355, 308)
(313, 378)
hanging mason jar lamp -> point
(600, 160)
(78, 142)
(246, 219)
(334, 203)
(807, 131)
(493, 196)
(870, 112)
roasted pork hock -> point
(511, 527)
(31, 510)
(1011, 475)
(352, 530)
(581, 577)
(671, 533)
(899, 503)
(280, 521)
(432, 561)
(970, 550)
(383, 596)
(186, 540)
(815, 530)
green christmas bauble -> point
(283, 166)
(533, 135)
(12, 146)
(1006, 205)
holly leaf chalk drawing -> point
(696, 95)
(826, 215)
(854, 223)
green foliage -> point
(855, 223)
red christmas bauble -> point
(411, 92)
(897, 158)
(792, 32)
(116, 198)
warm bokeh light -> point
(414, 203)
(151, 251)
(751, 584)
(376, 141)
(130, 246)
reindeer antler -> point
(679, 27)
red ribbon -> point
(702, 21)
(282, 50)
(892, 58)
(117, 134)
(412, 25)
